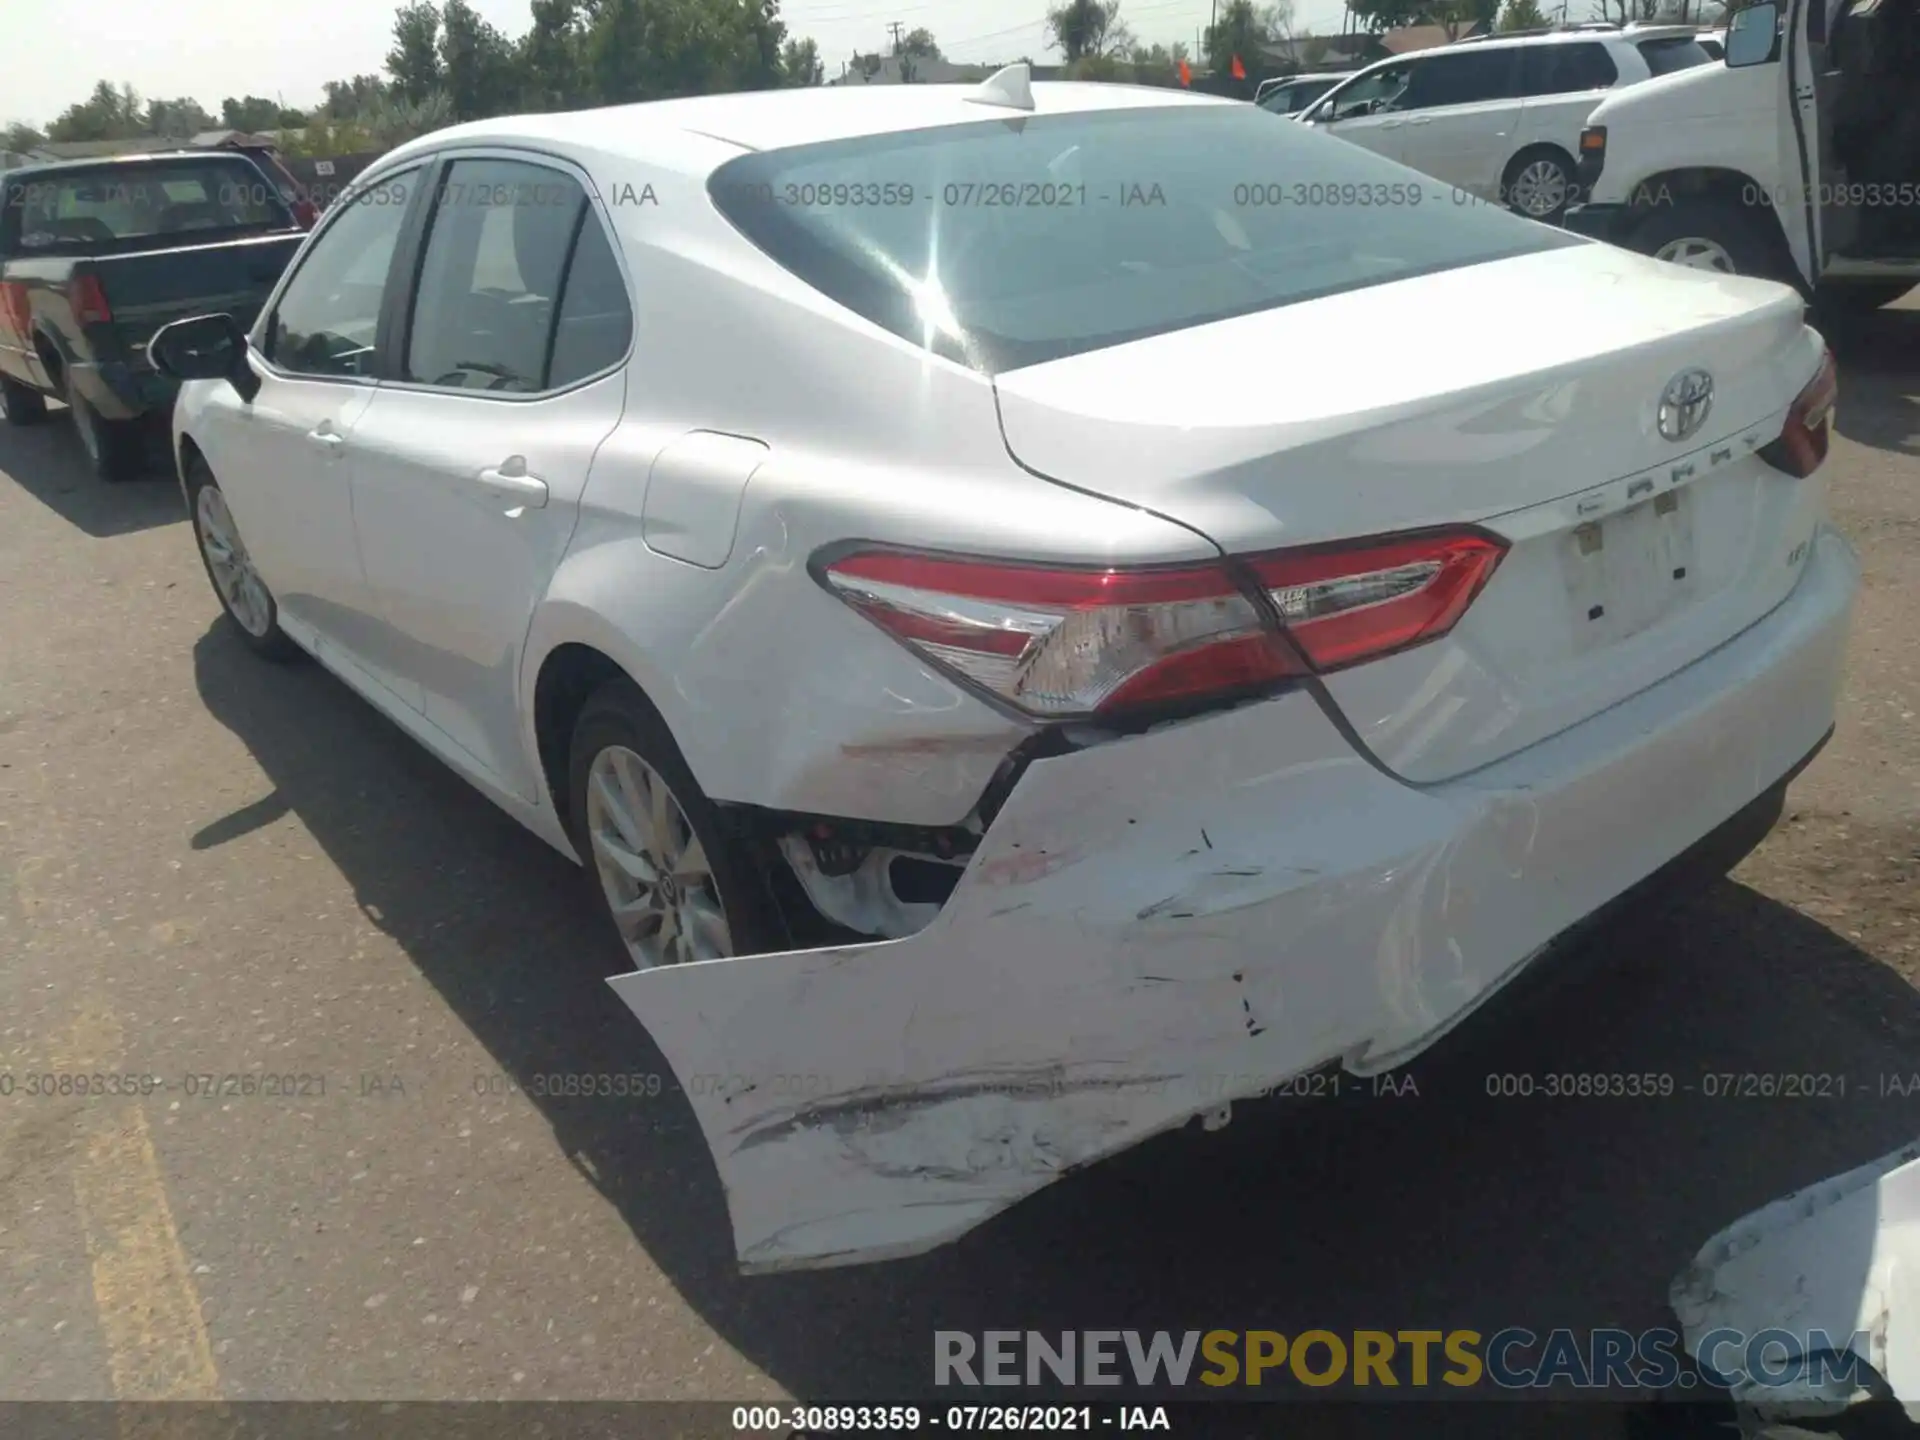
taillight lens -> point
(89, 301)
(304, 214)
(1803, 442)
(13, 307)
(1351, 603)
(1066, 643)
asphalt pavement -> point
(211, 867)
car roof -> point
(95, 162)
(778, 119)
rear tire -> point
(1540, 184)
(115, 449)
(246, 601)
(19, 405)
(1714, 236)
(714, 902)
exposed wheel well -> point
(1708, 184)
(50, 358)
(567, 677)
(189, 452)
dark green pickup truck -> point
(96, 255)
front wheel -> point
(1708, 235)
(244, 596)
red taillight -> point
(89, 301)
(1802, 445)
(1064, 643)
(1351, 603)
(13, 307)
(304, 214)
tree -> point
(414, 60)
(550, 57)
(20, 137)
(106, 114)
(177, 119)
(347, 98)
(1082, 28)
(800, 63)
(1377, 15)
(476, 63)
(250, 113)
(1246, 30)
(1522, 15)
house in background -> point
(149, 145)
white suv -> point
(1500, 117)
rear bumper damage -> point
(1833, 1269)
(1157, 926)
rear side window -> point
(1463, 79)
(1566, 69)
(1002, 245)
(596, 321)
(1663, 57)
(489, 287)
(109, 208)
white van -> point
(1797, 158)
(1500, 117)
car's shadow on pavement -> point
(1879, 355)
(46, 462)
(1444, 1205)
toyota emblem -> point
(1684, 404)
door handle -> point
(325, 434)
(1391, 124)
(1421, 120)
(511, 482)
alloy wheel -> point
(1696, 252)
(239, 584)
(653, 869)
(1539, 190)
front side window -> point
(328, 317)
(497, 250)
(1002, 246)
(1371, 93)
(1464, 79)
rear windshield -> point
(112, 208)
(1020, 240)
(1682, 52)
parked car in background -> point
(1039, 726)
(95, 255)
(1293, 94)
(1797, 158)
(1714, 42)
(1499, 117)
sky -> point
(208, 49)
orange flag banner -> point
(1186, 74)
(1239, 71)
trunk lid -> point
(1522, 395)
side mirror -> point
(1753, 34)
(206, 347)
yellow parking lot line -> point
(149, 1309)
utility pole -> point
(895, 27)
(1213, 19)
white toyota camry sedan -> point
(1044, 609)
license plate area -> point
(1626, 572)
